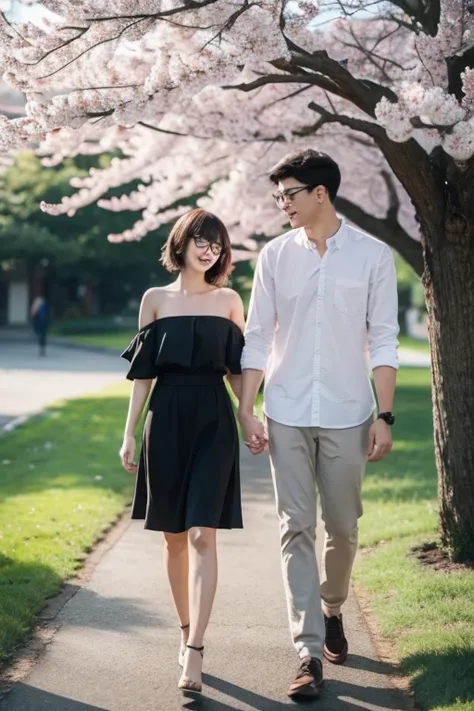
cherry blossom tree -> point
(400, 77)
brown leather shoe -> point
(335, 645)
(308, 681)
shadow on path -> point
(40, 700)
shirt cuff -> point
(387, 358)
(253, 360)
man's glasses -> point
(289, 194)
(202, 243)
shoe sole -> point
(335, 658)
(306, 693)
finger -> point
(384, 450)
(372, 445)
(374, 454)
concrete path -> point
(28, 383)
(117, 642)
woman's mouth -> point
(205, 260)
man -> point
(321, 292)
(40, 322)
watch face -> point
(388, 418)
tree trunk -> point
(449, 293)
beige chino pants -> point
(332, 461)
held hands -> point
(380, 440)
(254, 433)
(127, 453)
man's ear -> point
(321, 193)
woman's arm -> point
(238, 317)
(139, 394)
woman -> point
(188, 482)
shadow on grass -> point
(442, 678)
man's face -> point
(302, 206)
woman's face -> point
(201, 254)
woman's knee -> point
(202, 539)
(176, 543)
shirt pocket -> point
(350, 296)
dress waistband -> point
(190, 379)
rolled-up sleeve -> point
(260, 327)
(382, 313)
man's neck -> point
(322, 230)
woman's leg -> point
(177, 569)
(202, 589)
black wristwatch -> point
(387, 417)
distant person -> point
(321, 291)
(188, 481)
(40, 322)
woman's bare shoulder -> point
(155, 295)
(230, 294)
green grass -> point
(116, 341)
(61, 485)
(427, 615)
(414, 344)
(119, 341)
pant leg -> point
(342, 456)
(293, 460)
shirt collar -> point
(333, 243)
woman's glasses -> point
(202, 243)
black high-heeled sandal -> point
(182, 650)
(187, 684)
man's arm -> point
(382, 320)
(259, 334)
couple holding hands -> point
(322, 293)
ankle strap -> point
(184, 627)
(197, 649)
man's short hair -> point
(309, 167)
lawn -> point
(61, 485)
(414, 344)
(116, 341)
(427, 615)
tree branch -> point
(388, 230)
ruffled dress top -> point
(188, 471)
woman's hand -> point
(127, 453)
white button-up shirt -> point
(310, 321)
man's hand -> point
(380, 440)
(254, 433)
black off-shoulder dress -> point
(188, 471)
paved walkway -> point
(28, 383)
(117, 642)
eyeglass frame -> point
(208, 245)
(286, 194)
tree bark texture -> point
(449, 293)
